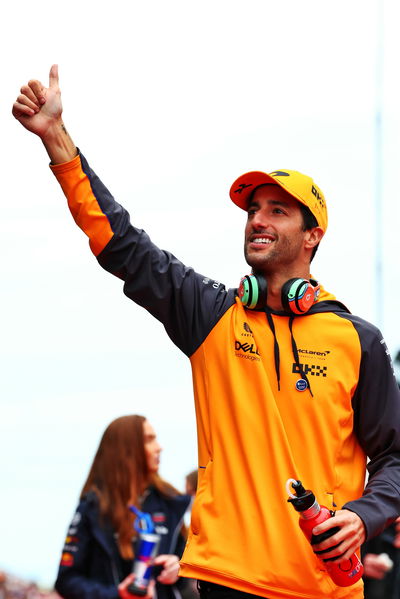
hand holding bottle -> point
(325, 533)
(128, 581)
(346, 540)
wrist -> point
(58, 143)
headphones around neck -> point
(297, 295)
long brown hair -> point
(119, 474)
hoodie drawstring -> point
(276, 350)
(296, 355)
(294, 351)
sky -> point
(170, 101)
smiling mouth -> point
(261, 240)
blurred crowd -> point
(12, 587)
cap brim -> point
(244, 186)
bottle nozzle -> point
(298, 488)
(303, 499)
(295, 485)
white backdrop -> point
(170, 101)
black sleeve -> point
(187, 303)
(73, 580)
(376, 405)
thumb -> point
(53, 77)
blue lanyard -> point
(143, 521)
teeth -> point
(262, 240)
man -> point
(287, 383)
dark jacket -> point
(91, 566)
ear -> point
(313, 237)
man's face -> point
(274, 233)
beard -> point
(283, 253)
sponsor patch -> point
(158, 517)
(248, 349)
(76, 519)
(301, 385)
(161, 529)
(67, 559)
(70, 539)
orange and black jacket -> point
(256, 426)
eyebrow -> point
(271, 202)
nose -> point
(260, 220)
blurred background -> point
(170, 101)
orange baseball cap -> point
(300, 186)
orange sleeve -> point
(83, 204)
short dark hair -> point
(309, 222)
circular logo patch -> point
(301, 385)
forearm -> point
(59, 144)
(380, 504)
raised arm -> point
(39, 110)
(187, 303)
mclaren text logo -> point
(215, 284)
(312, 369)
(248, 351)
(321, 355)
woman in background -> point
(98, 554)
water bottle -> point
(311, 513)
(142, 566)
(146, 550)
